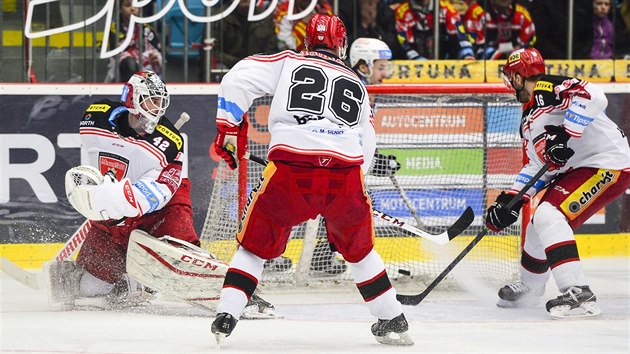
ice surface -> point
(316, 322)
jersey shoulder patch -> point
(167, 139)
(99, 114)
(171, 134)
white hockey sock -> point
(553, 230)
(234, 300)
(533, 248)
(384, 306)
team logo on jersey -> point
(543, 86)
(589, 191)
(98, 107)
(171, 135)
(324, 160)
(114, 164)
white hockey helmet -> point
(368, 50)
(145, 96)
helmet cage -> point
(146, 97)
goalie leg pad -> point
(193, 276)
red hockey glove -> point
(228, 138)
(498, 217)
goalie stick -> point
(413, 300)
(455, 229)
(66, 252)
(69, 249)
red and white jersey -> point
(320, 112)
(579, 107)
(152, 163)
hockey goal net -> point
(458, 146)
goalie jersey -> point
(320, 113)
(579, 106)
(152, 163)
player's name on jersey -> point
(465, 71)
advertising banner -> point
(39, 142)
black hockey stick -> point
(413, 300)
(455, 229)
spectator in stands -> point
(602, 43)
(414, 23)
(130, 60)
(371, 19)
(508, 26)
(236, 37)
(291, 33)
(622, 29)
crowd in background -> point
(468, 30)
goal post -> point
(458, 146)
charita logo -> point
(588, 194)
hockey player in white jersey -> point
(322, 142)
(369, 58)
(131, 179)
(564, 124)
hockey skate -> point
(392, 332)
(518, 295)
(129, 293)
(223, 326)
(324, 260)
(63, 280)
(575, 302)
(258, 309)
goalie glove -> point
(556, 150)
(228, 137)
(100, 197)
(498, 217)
(384, 166)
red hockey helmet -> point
(527, 62)
(326, 31)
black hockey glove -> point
(384, 166)
(556, 150)
(498, 217)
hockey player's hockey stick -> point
(407, 201)
(71, 246)
(414, 300)
(457, 228)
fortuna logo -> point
(588, 195)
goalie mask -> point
(145, 96)
(326, 31)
